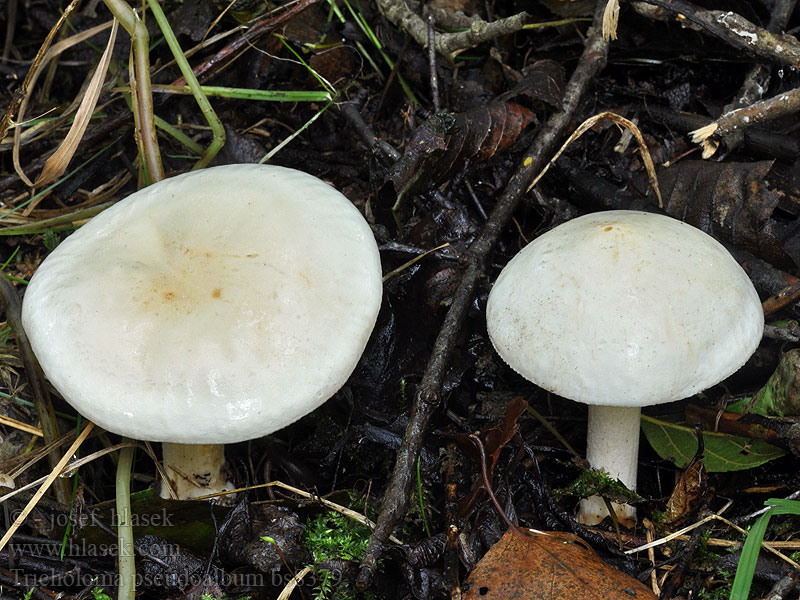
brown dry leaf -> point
(448, 143)
(690, 492)
(549, 566)
(36, 70)
(58, 161)
(336, 64)
(541, 81)
(494, 440)
(730, 201)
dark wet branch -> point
(248, 38)
(783, 587)
(741, 119)
(428, 395)
(380, 148)
(734, 123)
(735, 30)
(448, 44)
(756, 82)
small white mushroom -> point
(212, 307)
(620, 310)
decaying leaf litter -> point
(344, 91)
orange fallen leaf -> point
(549, 566)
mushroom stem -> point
(612, 446)
(186, 464)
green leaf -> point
(723, 452)
(780, 396)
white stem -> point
(612, 445)
(195, 469)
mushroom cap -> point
(212, 307)
(624, 308)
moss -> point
(592, 482)
(331, 536)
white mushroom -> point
(620, 310)
(213, 307)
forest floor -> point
(454, 157)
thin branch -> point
(756, 82)
(735, 30)
(737, 120)
(449, 44)
(54, 474)
(428, 395)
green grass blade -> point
(740, 590)
(249, 94)
(279, 147)
(61, 179)
(217, 129)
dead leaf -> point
(549, 566)
(447, 143)
(689, 494)
(729, 201)
(36, 70)
(543, 81)
(335, 64)
(58, 161)
(494, 440)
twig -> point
(782, 299)
(296, 580)
(754, 515)
(780, 146)
(380, 148)
(783, 587)
(427, 397)
(736, 31)
(448, 44)
(651, 556)
(779, 106)
(769, 546)
(347, 512)
(46, 485)
(432, 64)
(757, 79)
(676, 576)
(17, 424)
(451, 557)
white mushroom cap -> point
(624, 308)
(213, 307)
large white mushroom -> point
(620, 310)
(213, 307)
